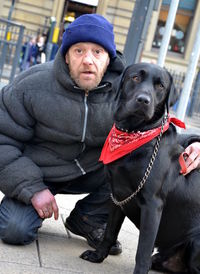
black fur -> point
(167, 208)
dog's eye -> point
(159, 86)
(136, 79)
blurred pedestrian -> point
(29, 53)
(41, 47)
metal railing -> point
(11, 36)
(193, 107)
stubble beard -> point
(84, 85)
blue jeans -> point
(19, 223)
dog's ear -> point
(123, 77)
(173, 93)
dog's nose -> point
(143, 99)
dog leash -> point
(151, 162)
(182, 161)
(147, 172)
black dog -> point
(146, 183)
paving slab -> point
(13, 268)
(63, 254)
(66, 248)
(25, 255)
(57, 250)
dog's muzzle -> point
(143, 99)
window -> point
(181, 27)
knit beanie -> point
(90, 28)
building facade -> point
(37, 16)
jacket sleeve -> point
(20, 177)
(186, 139)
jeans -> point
(19, 223)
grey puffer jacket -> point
(50, 130)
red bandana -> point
(120, 143)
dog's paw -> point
(91, 256)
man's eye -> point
(79, 51)
(97, 51)
(136, 79)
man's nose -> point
(88, 58)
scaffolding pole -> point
(140, 21)
(167, 33)
(190, 74)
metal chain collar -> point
(147, 172)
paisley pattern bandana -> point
(120, 143)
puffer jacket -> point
(50, 130)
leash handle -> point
(182, 162)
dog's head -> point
(146, 91)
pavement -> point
(57, 251)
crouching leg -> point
(19, 223)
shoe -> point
(92, 232)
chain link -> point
(147, 172)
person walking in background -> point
(29, 54)
(41, 47)
(33, 52)
(54, 119)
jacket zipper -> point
(80, 167)
(85, 126)
(84, 130)
(85, 117)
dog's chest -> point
(135, 172)
(126, 173)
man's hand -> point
(45, 204)
(193, 159)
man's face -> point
(87, 64)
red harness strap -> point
(120, 143)
(182, 159)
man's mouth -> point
(88, 72)
(88, 75)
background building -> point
(36, 16)
(49, 18)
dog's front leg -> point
(149, 224)
(115, 220)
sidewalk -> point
(57, 252)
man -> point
(54, 119)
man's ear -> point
(108, 61)
(66, 58)
(173, 93)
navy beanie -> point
(90, 28)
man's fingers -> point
(55, 210)
(41, 213)
(189, 169)
(48, 212)
(188, 150)
(193, 155)
(193, 165)
(45, 213)
(45, 204)
(192, 158)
